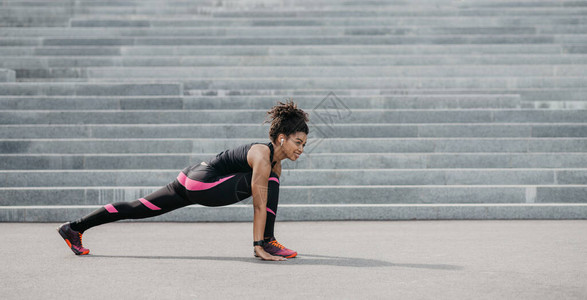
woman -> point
(233, 175)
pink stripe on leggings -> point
(110, 208)
(274, 179)
(148, 204)
(269, 210)
(194, 185)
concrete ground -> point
(348, 260)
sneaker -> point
(73, 239)
(273, 247)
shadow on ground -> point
(306, 259)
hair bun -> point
(287, 110)
(286, 118)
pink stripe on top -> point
(271, 211)
(274, 179)
(194, 185)
(148, 204)
(110, 208)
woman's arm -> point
(258, 160)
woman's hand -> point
(266, 256)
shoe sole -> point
(289, 256)
(75, 251)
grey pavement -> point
(348, 260)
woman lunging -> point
(233, 175)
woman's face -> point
(293, 146)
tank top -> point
(235, 160)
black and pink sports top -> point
(235, 160)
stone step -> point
(325, 114)
(308, 31)
(312, 161)
(324, 51)
(34, 16)
(297, 40)
(376, 12)
(526, 94)
(19, 42)
(321, 212)
(497, 84)
(302, 3)
(80, 196)
(456, 101)
(91, 89)
(280, 11)
(554, 104)
(7, 75)
(463, 21)
(183, 73)
(290, 86)
(336, 145)
(74, 63)
(425, 3)
(328, 30)
(317, 132)
(330, 49)
(306, 177)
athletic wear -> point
(273, 247)
(234, 160)
(73, 239)
(222, 180)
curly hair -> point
(286, 118)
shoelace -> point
(276, 244)
(80, 240)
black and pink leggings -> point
(184, 191)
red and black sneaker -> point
(273, 247)
(73, 239)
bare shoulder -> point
(258, 155)
(259, 149)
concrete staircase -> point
(430, 109)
